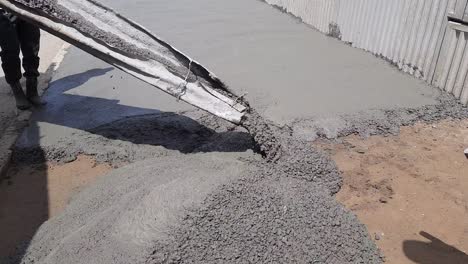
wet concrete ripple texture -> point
(187, 187)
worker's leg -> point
(11, 64)
(29, 37)
(9, 43)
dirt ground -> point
(31, 194)
(410, 190)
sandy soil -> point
(410, 190)
(32, 194)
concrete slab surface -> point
(288, 70)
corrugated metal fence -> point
(425, 38)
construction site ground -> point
(410, 190)
(102, 128)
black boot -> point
(31, 92)
(22, 102)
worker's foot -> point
(22, 102)
(32, 94)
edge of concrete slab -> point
(16, 127)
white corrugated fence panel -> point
(413, 34)
(453, 65)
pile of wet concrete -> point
(195, 192)
(191, 188)
(284, 213)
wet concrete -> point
(76, 104)
(288, 70)
(196, 192)
(292, 74)
(117, 219)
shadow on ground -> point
(109, 118)
(6, 105)
(24, 201)
(434, 252)
(24, 205)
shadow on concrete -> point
(175, 132)
(109, 118)
(7, 105)
(433, 252)
(76, 80)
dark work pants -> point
(18, 35)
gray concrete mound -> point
(292, 157)
(118, 219)
(284, 213)
(268, 219)
(197, 193)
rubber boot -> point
(31, 92)
(22, 102)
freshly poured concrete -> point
(290, 72)
(288, 69)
